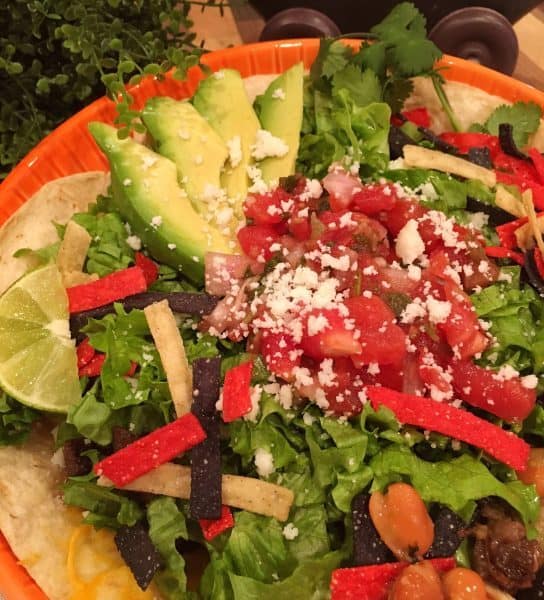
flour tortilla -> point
(32, 225)
(33, 518)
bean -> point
(464, 584)
(401, 518)
(417, 582)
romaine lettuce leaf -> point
(166, 525)
(457, 483)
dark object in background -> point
(139, 553)
(482, 33)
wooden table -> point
(243, 25)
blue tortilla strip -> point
(205, 499)
(139, 553)
(187, 303)
(447, 528)
(368, 547)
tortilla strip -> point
(424, 158)
(165, 332)
(508, 202)
(73, 251)
(246, 493)
(78, 278)
(32, 225)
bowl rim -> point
(41, 165)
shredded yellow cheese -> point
(424, 158)
(165, 332)
(96, 570)
(246, 493)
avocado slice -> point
(146, 193)
(222, 100)
(181, 134)
(280, 113)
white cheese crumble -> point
(290, 532)
(409, 246)
(156, 221)
(134, 242)
(279, 94)
(267, 145)
(234, 146)
(438, 311)
(264, 462)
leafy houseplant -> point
(58, 55)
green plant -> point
(58, 55)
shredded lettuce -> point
(15, 420)
(514, 313)
(107, 508)
(166, 525)
(457, 483)
(109, 250)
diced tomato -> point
(280, 352)
(418, 116)
(378, 277)
(299, 227)
(504, 396)
(382, 341)
(266, 209)
(345, 392)
(257, 239)
(465, 141)
(434, 376)
(326, 334)
(403, 210)
(354, 230)
(461, 328)
(372, 199)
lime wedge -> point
(38, 363)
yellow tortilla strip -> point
(165, 332)
(424, 158)
(508, 202)
(32, 225)
(77, 278)
(73, 248)
(527, 234)
(246, 493)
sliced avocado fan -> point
(146, 193)
(222, 100)
(280, 113)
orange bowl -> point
(70, 149)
